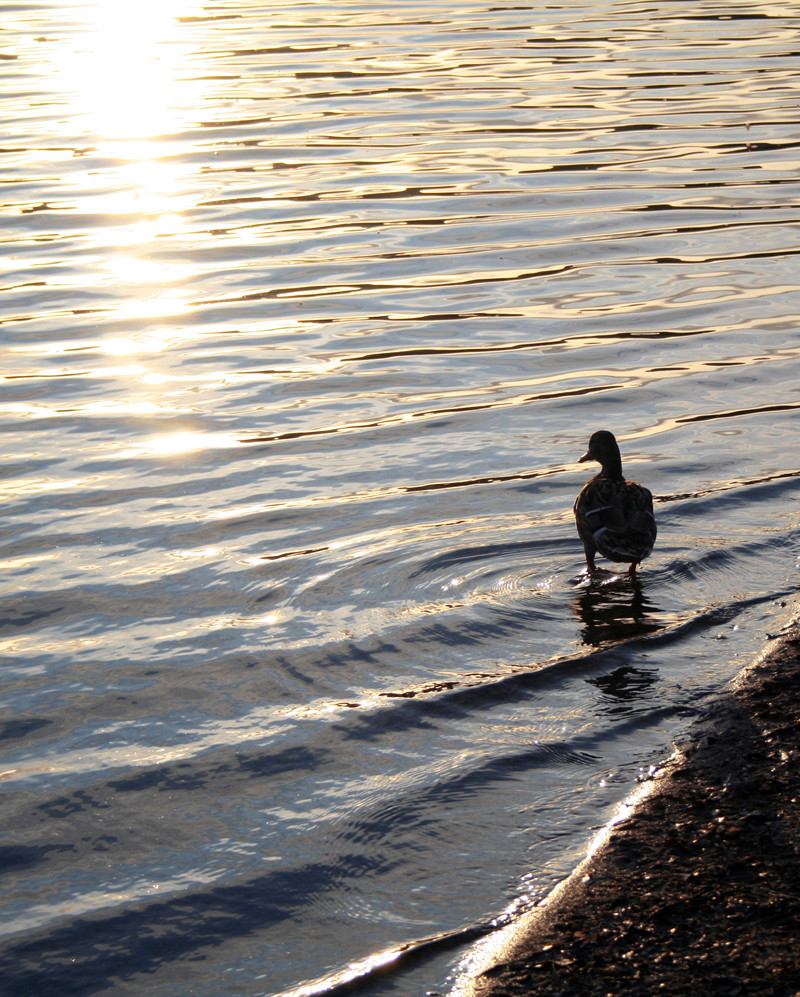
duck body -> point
(614, 517)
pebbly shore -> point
(697, 891)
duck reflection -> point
(613, 613)
(625, 685)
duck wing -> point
(616, 518)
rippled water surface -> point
(308, 312)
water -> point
(308, 313)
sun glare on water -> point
(129, 85)
(129, 77)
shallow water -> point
(308, 313)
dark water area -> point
(308, 312)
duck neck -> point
(612, 467)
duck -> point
(614, 517)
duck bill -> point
(586, 456)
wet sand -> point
(697, 892)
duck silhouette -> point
(614, 516)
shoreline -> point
(696, 891)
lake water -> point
(308, 312)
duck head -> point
(603, 448)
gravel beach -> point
(697, 892)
